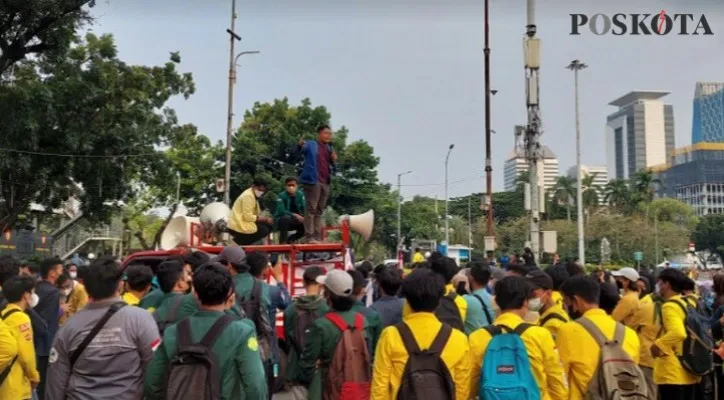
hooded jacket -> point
(314, 303)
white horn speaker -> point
(177, 232)
(361, 223)
(214, 217)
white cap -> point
(427, 254)
(628, 273)
(338, 282)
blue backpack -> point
(506, 373)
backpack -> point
(425, 374)
(305, 319)
(617, 375)
(193, 372)
(170, 316)
(251, 304)
(506, 373)
(549, 317)
(349, 374)
(485, 309)
(697, 356)
(4, 374)
(449, 313)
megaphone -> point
(360, 223)
(178, 232)
(214, 217)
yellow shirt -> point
(244, 213)
(76, 301)
(391, 356)
(626, 308)
(418, 258)
(580, 353)
(544, 362)
(552, 324)
(557, 298)
(8, 346)
(667, 368)
(648, 328)
(131, 299)
(459, 301)
(24, 371)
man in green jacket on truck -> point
(289, 214)
(236, 350)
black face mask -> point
(575, 315)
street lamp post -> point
(399, 209)
(447, 227)
(575, 66)
(488, 92)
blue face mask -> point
(709, 301)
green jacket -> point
(236, 350)
(244, 282)
(189, 306)
(321, 342)
(152, 300)
(168, 301)
(315, 304)
(283, 205)
(372, 317)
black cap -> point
(197, 259)
(540, 280)
(312, 272)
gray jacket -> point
(113, 364)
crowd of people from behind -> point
(203, 327)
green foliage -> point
(709, 234)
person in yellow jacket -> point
(648, 326)
(512, 294)
(76, 297)
(418, 257)
(422, 291)
(447, 269)
(19, 291)
(673, 380)
(8, 346)
(626, 308)
(579, 351)
(552, 314)
(246, 224)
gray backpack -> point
(617, 375)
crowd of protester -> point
(204, 327)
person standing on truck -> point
(316, 176)
(246, 224)
(289, 214)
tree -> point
(589, 191)
(674, 211)
(89, 119)
(39, 27)
(564, 192)
(644, 184)
(617, 194)
(709, 234)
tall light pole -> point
(533, 129)
(399, 209)
(447, 223)
(575, 66)
(488, 92)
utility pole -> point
(437, 217)
(447, 212)
(233, 37)
(470, 223)
(575, 66)
(533, 129)
(488, 161)
(399, 209)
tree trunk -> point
(142, 240)
(159, 232)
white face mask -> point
(66, 292)
(258, 193)
(34, 299)
(535, 304)
(73, 274)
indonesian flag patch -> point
(155, 344)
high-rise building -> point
(640, 134)
(517, 164)
(600, 178)
(708, 116)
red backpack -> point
(349, 374)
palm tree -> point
(564, 192)
(589, 191)
(617, 194)
(644, 184)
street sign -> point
(220, 185)
(692, 247)
(639, 256)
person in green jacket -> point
(289, 214)
(155, 297)
(236, 351)
(323, 335)
(296, 336)
(372, 317)
(174, 279)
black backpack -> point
(193, 372)
(251, 305)
(170, 316)
(4, 374)
(697, 356)
(305, 319)
(485, 309)
(425, 375)
(449, 313)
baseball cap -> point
(628, 273)
(540, 280)
(234, 255)
(338, 282)
(197, 259)
(312, 272)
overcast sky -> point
(407, 75)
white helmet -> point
(427, 254)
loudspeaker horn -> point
(178, 232)
(361, 223)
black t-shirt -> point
(293, 205)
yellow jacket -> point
(244, 213)
(542, 353)
(648, 328)
(76, 301)
(459, 301)
(557, 298)
(131, 299)
(580, 353)
(667, 368)
(391, 357)
(24, 371)
(8, 346)
(552, 324)
(626, 308)
(418, 258)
